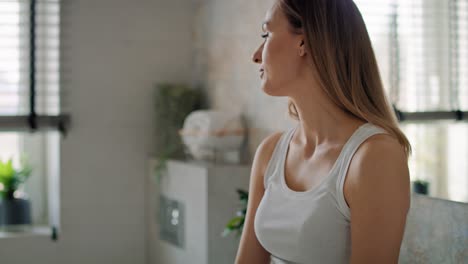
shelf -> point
(25, 231)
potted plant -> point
(421, 186)
(15, 208)
(236, 224)
(173, 103)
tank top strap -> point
(275, 160)
(364, 132)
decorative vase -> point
(15, 210)
(209, 133)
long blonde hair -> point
(345, 63)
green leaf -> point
(235, 222)
(243, 195)
(226, 232)
(11, 178)
(6, 170)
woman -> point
(335, 187)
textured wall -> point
(227, 34)
(225, 39)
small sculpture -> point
(209, 133)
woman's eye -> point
(265, 35)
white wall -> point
(113, 52)
(227, 34)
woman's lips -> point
(261, 73)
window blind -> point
(461, 51)
(422, 50)
(31, 96)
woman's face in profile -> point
(279, 54)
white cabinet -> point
(204, 199)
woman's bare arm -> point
(379, 201)
(250, 250)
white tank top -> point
(311, 226)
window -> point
(422, 51)
(32, 112)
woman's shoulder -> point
(380, 144)
(381, 148)
(379, 160)
(266, 148)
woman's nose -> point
(257, 57)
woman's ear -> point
(302, 49)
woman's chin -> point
(267, 89)
(271, 90)
(264, 86)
